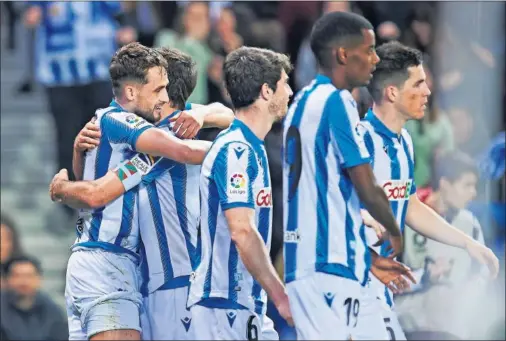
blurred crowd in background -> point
(464, 58)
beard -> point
(147, 115)
(278, 109)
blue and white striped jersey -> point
(392, 160)
(322, 223)
(235, 173)
(75, 41)
(169, 215)
(113, 227)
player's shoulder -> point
(114, 118)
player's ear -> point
(340, 55)
(266, 92)
(130, 92)
(391, 93)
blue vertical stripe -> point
(144, 268)
(127, 215)
(322, 182)
(179, 177)
(264, 226)
(293, 203)
(74, 72)
(91, 64)
(213, 204)
(56, 71)
(156, 211)
(346, 189)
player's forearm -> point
(89, 194)
(256, 259)
(218, 116)
(78, 164)
(156, 142)
(379, 208)
(428, 223)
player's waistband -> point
(106, 247)
(335, 269)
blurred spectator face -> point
(226, 23)
(413, 95)
(279, 102)
(362, 60)
(336, 6)
(196, 20)
(461, 192)
(24, 279)
(6, 243)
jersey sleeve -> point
(140, 168)
(234, 171)
(123, 127)
(342, 114)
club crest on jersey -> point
(264, 197)
(397, 189)
(237, 184)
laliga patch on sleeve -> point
(237, 187)
(131, 120)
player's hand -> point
(483, 255)
(284, 310)
(187, 124)
(62, 175)
(88, 137)
(370, 222)
(395, 245)
(392, 273)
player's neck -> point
(337, 77)
(125, 104)
(390, 117)
(259, 124)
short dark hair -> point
(182, 74)
(131, 63)
(22, 259)
(248, 68)
(335, 29)
(395, 60)
(452, 165)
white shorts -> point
(101, 293)
(226, 324)
(268, 331)
(328, 307)
(165, 316)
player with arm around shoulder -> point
(400, 93)
(228, 293)
(102, 274)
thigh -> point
(370, 324)
(238, 324)
(103, 289)
(319, 305)
(204, 322)
(76, 331)
(392, 325)
(268, 331)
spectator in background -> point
(453, 300)
(431, 136)
(74, 45)
(10, 246)
(27, 313)
(191, 37)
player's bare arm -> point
(374, 199)
(85, 194)
(188, 123)
(255, 256)
(157, 142)
(427, 222)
